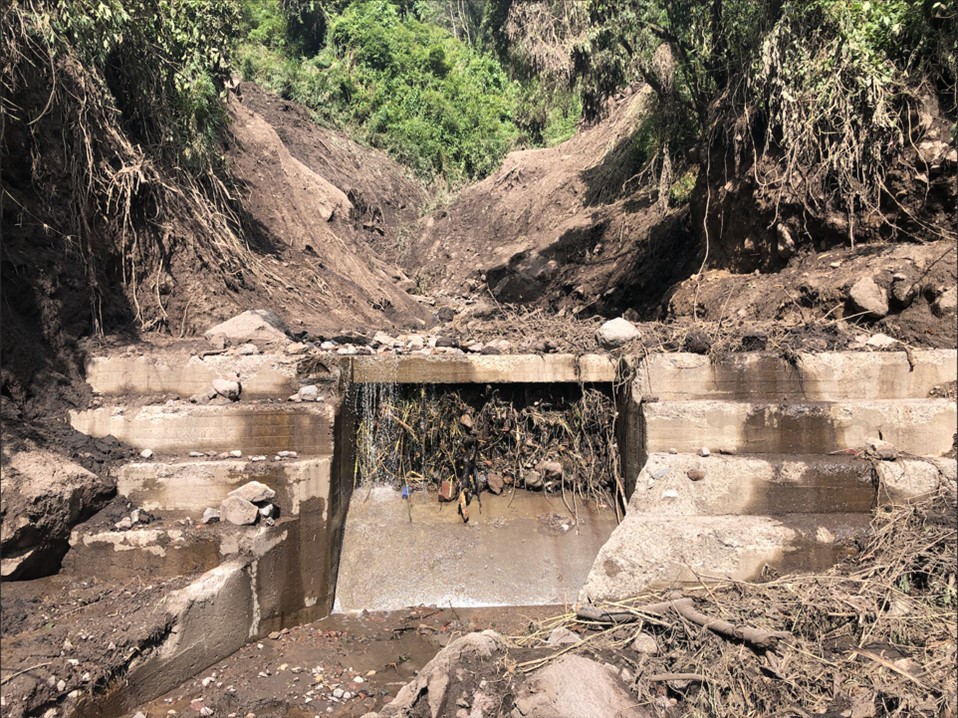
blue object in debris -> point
(405, 491)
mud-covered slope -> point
(327, 278)
(561, 226)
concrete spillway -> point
(519, 550)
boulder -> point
(254, 492)
(238, 511)
(532, 479)
(575, 687)
(259, 326)
(947, 302)
(616, 333)
(211, 515)
(310, 392)
(229, 388)
(430, 692)
(868, 297)
(881, 450)
(42, 496)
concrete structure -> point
(518, 550)
(184, 374)
(826, 377)
(798, 487)
(783, 502)
(180, 427)
(482, 369)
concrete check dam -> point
(724, 468)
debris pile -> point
(875, 636)
(423, 438)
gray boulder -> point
(238, 511)
(42, 496)
(575, 687)
(616, 333)
(254, 492)
(868, 297)
(258, 326)
(429, 694)
(230, 388)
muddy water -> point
(310, 670)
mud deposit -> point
(309, 670)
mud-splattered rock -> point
(310, 392)
(254, 491)
(238, 511)
(947, 302)
(532, 479)
(259, 326)
(229, 388)
(42, 496)
(868, 297)
(428, 694)
(616, 333)
(575, 686)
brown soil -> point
(275, 676)
(75, 629)
(562, 228)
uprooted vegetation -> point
(561, 442)
(875, 635)
(111, 184)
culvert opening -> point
(478, 494)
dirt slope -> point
(560, 227)
(312, 231)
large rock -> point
(259, 326)
(429, 694)
(230, 388)
(254, 491)
(616, 333)
(575, 687)
(42, 496)
(238, 511)
(947, 302)
(867, 296)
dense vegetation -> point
(819, 97)
(400, 82)
(109, 126)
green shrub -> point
(402, 84)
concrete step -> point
(924, 427)
(690, 550)
(180, 427)
(833, 376)
(149, 552)
(183, 374)
(751, 485)
(191, 486)
(518, 550)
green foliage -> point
(403, 84)
(819, 89)
(165, 62)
